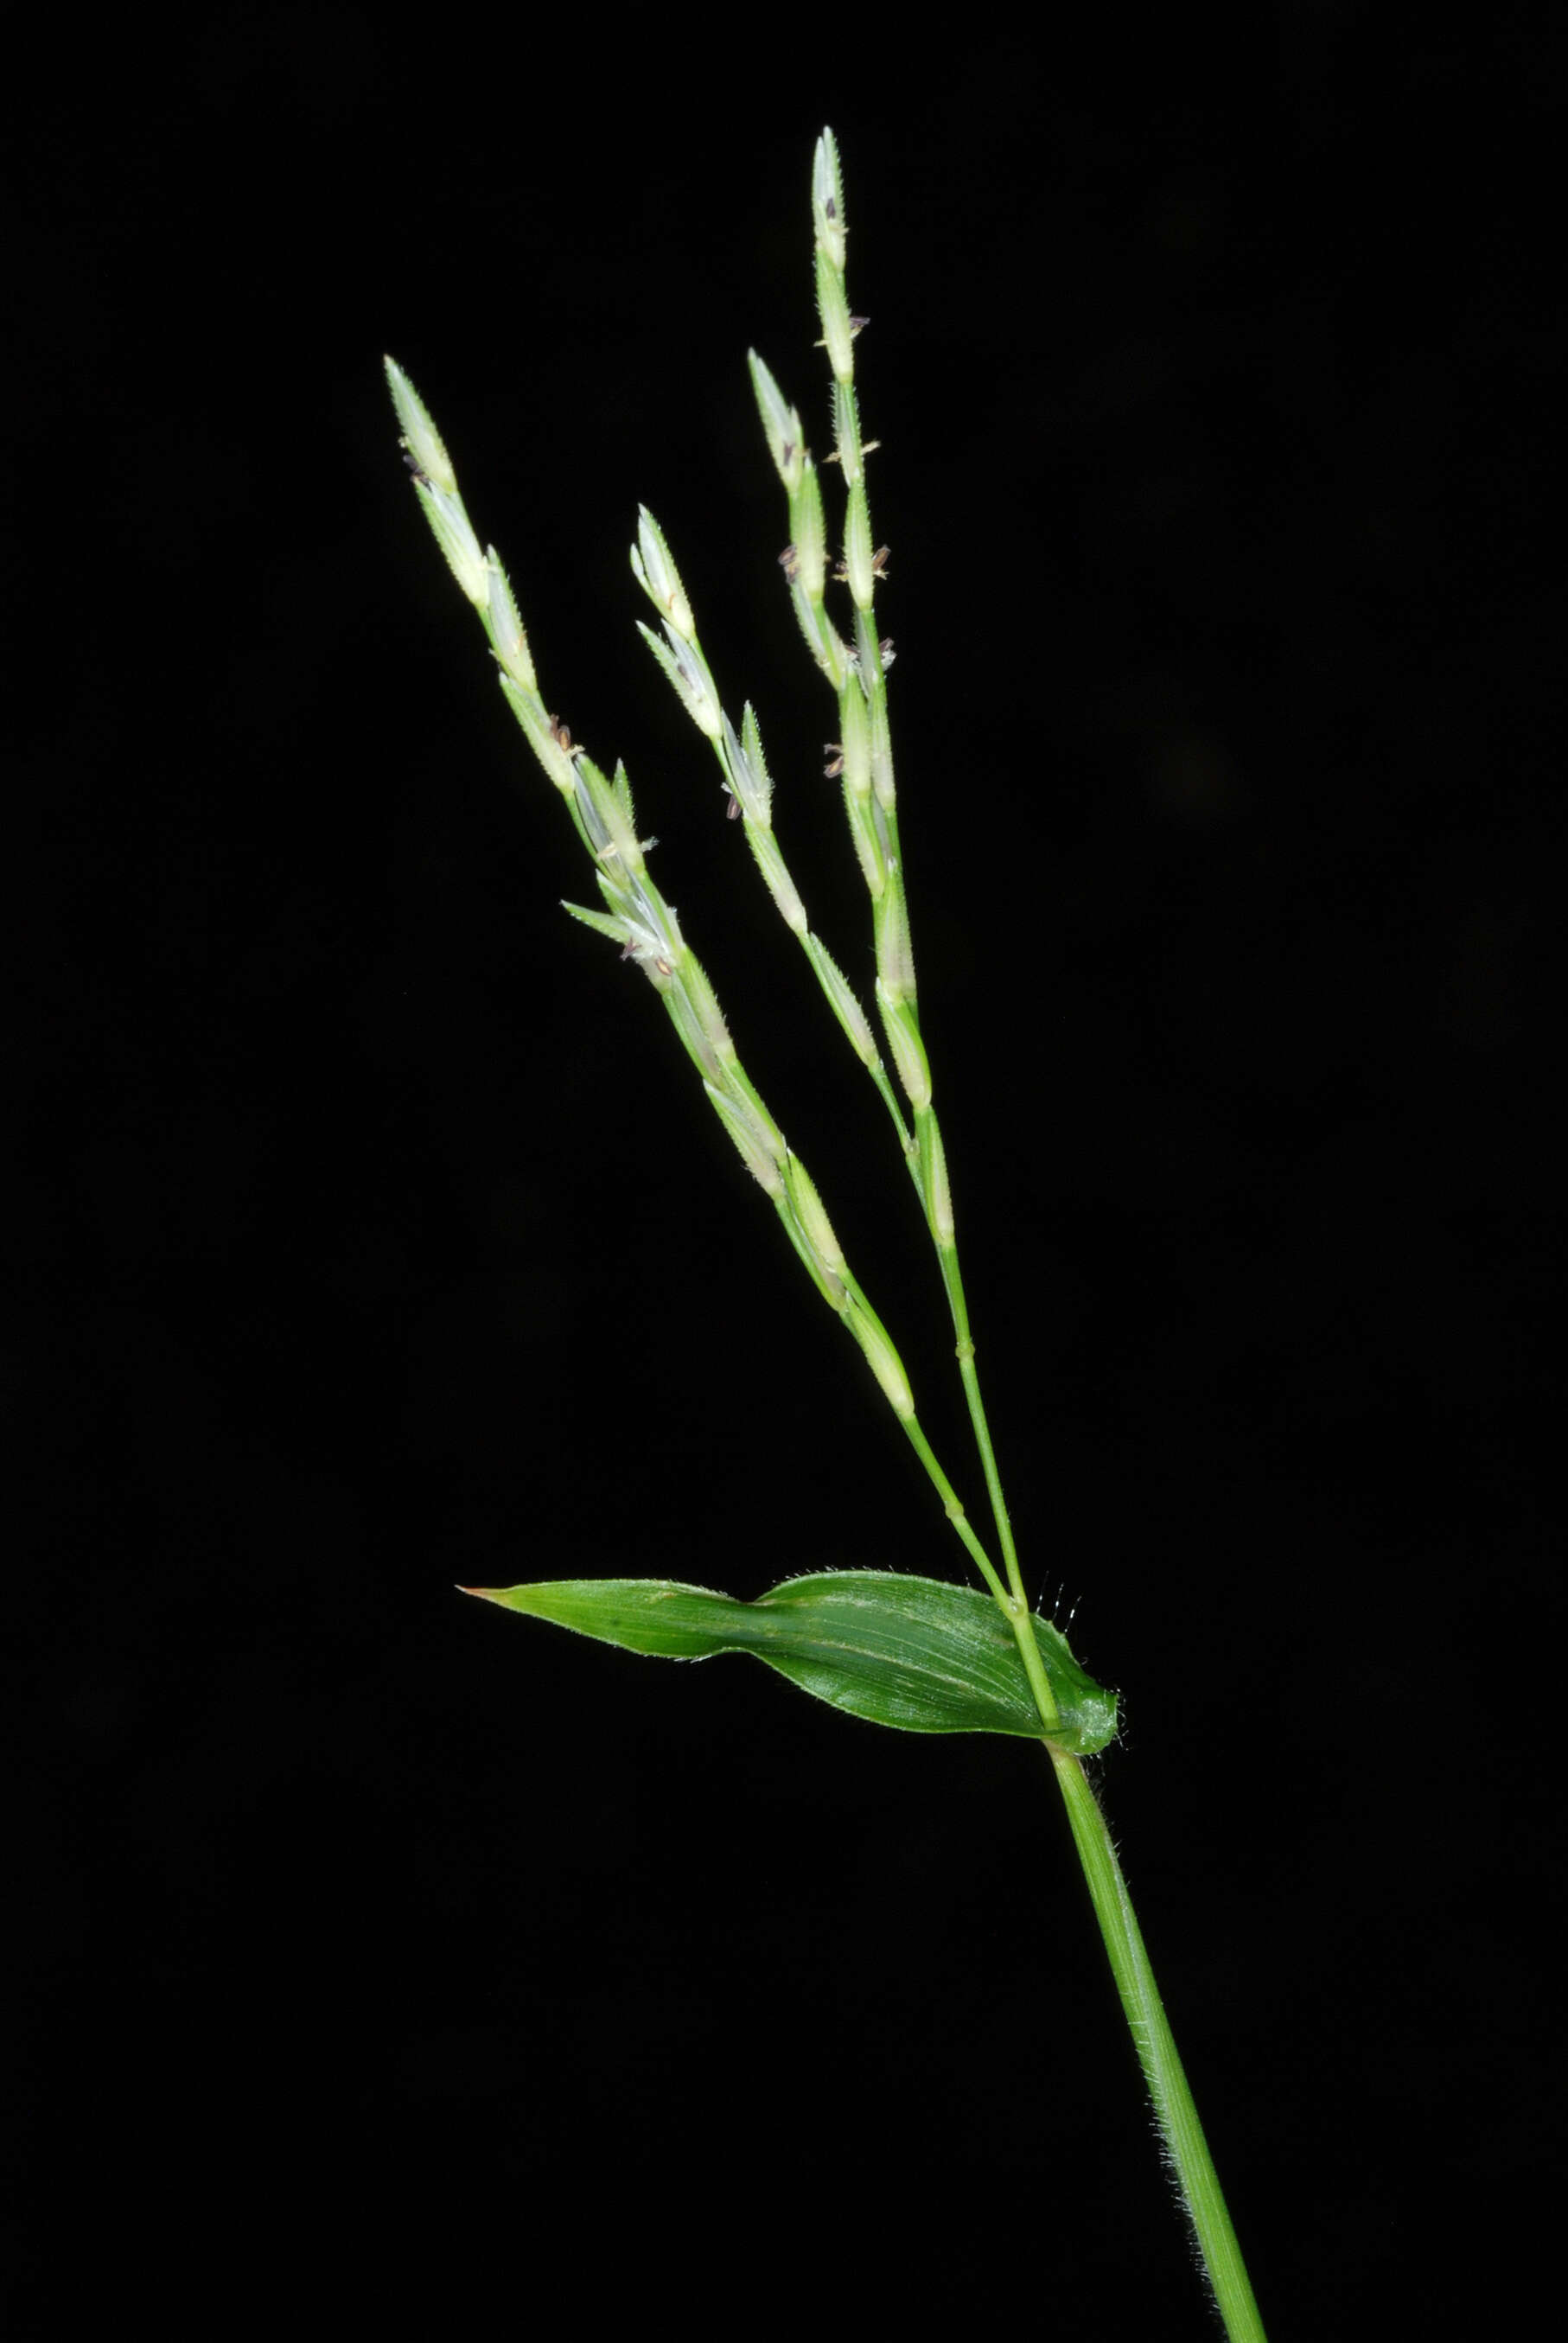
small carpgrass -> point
(913, 1653)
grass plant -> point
(916, 1654)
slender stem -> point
(1168, 2087)
(1018, 1618)
(952, 1278)
(889, 1099)
(953, 1507)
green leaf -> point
(913, 1653)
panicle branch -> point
(862, 756)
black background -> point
(387, 1955)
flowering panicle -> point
(634, 913)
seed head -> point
(828, 199)
(786, 440)
(426, 455)
(653, 566)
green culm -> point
(911, 1653)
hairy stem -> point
(1192, 2165)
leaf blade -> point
(914, 1654)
